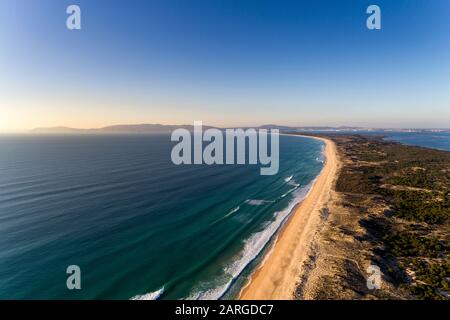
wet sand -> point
(278, 274)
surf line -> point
(236, 147)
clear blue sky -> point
(224, 62)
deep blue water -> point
(436, 140)
(135, 223)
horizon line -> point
(62, 127)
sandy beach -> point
(277, 276)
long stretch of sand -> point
(278, 275)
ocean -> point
(137, 225)
(435, 140)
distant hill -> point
(117, 129)
(160, 128)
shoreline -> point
(277, 275)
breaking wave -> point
(257, 202)
(252, 248)
(149, 296)
(232, 211)
(293, 189)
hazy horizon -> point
(27, 130)
(230, 126)
(226, 63)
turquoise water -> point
(135, 223)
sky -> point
(226, 63)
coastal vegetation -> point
(403, 197)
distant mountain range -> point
(159, 128)
(125, 128)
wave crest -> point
(252, 248)
(257, 202)
(149, 296)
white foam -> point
(285, 194)
(252, 248)
(149, 296)
(255, 244)
(232, 211)
(288, 178)
(257, 202)
(293, 183)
